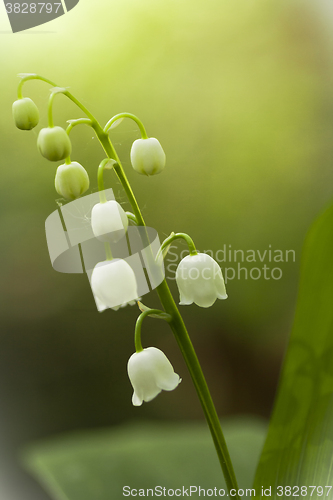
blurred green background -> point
(239, 94)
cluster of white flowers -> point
(114, 285)
(199, 279)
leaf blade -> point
(299, 447)
(98, 464)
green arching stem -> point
(175, 236)
(108, 252)
(138, 325)
(137, 334)
(53, 84)
(79, 121)
(176, 322)
(132, 117)
(110, 151)
(100, 179)
(73, 123)
(49, 110)
(103, 137)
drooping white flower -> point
(199, 279)
(147, 156)
(113, 282)
(71, 180)
(150, 372)
(109, 222)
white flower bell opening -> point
(109, 222)
(150, 372)
(147, 156)
(114, 284)
(199, 279)
(102, 307)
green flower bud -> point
(25, 114)
(71, 181)
(147, 156)
(54, 144)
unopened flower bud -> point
(147, 156)
(109, 222)
(150, 372)
(71, 181)
(25, 114)
(113, 282)
(54, 144)
(199, 279)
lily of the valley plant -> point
(113, 281)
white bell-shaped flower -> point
(147, 156)
(150, 372)
(109, 222)
(199, 279)
(113, 282)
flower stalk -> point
(106, 163)
(175, 236)
(121, 116)
(138, 325)
(174, 317)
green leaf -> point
(299, 446)
(96, 466)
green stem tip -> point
(148, 312)
(105, 164)
(174, 236)
(120, 116)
